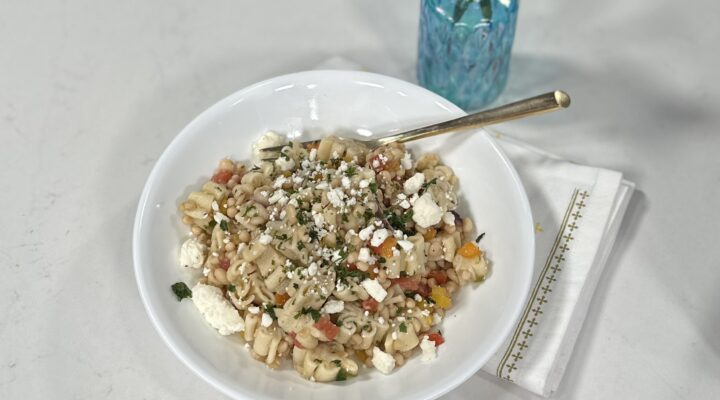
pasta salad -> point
(333, 256)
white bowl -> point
(359, 104)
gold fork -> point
(543, 103)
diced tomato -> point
(423, 290)
(437, 338)
(326, 326)
(407, 283)
(370, 304)
(386, 248)
(281, 298)
(222, 176)
(351, 267)
(469, 250)
(295, 341)
(439, 276)
(224, 263)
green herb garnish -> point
(341, 375)
(224, 225)
(427, 184)
(337, 363)
(351, 171)
(270, 310)
(373, 187)
(343, 273)
(211, 225)
(313, 313)
(479, 238)
(403, 328)
(345, 217)
(230, 288)
(181, 290)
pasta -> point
(334, 256)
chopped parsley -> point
(398, 221)
(300, 245)
(351, 171)
(427, 184)
(230, 288)
(224, 225)
(313, 313)
(343, 273)
(368, 215)
(211, 225)
(345, 218)
(479, 238)
(313, 234)
(403, 328)
(337, 363)
(282, 237)
(373, 187)
(381, 260)
(270, 310)
(302, 218)
(181, 290)
(341, 375)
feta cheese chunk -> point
(192, 253)
(406, 245)
(374, 289)
(269, 139)
(406, 161)
(365, 233)
(364, 255)
(266, 320)
(333, 307)
(285, 163)
(425, 212)
(265, 239)
(428, 350)
(216, 309)
(379, 237)
(383, 361)
(414, 183)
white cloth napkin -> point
(578, 210)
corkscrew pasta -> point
(333, 257)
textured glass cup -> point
(464, 57)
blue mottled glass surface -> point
(465, 61)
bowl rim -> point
(234, 392)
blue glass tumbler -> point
(464, 49)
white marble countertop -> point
(91, 92)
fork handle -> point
(543, 103)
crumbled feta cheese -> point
(383, 361)
(254, 309)
(345, 181)
(405, 204)
(374, 289)
(394, 335)
(265, 239)
(364, 183)
(425, 212)
(279, 181)
(414, 183)
(279, 194)
(366, 232)
(406, 161)
(192, 253)
(364, 255)
(379, 237)
(285, 163)
(417, 297)
(398, 234)
(312, 269)
(216, 309)
(220, 217)
(428, 350)
(449, 218)
(322, 186)
(381, 321)
(436, 318)
(406, 245)
(298, 179)
(215, 207)
(319, 220)
(335, 197)
(293, 202)
(351, 202)
(266, 320)
(269, 139)
(206, 271)
(333, 307)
